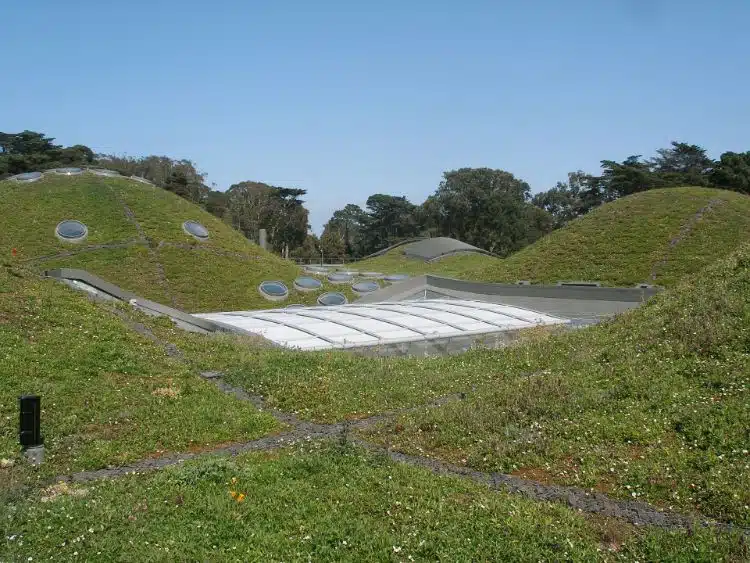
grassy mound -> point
(655, 237)
(109, 394)
(136, 241)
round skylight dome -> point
(71, 231)
(332, 298)
(27, 177)
(67, 171)
(349, 272)
(195, 229)
(306, 283)
(104, 172)
(273, 290)
(396, 277)
(340, 277)
(365, 287)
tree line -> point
(489, 208)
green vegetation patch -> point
(31, 212)
(109, 395)
(133, 268)
(327, 504)
(652, 406)
(624, 242)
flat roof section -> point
(380, 324)
(581, 305)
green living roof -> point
(136, 240)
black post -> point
(30, 430)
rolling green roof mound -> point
(654, 237)
(136, 240)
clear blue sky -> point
(346, 99)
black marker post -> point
(30, 429)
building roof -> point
(379, 324)
(435, 248)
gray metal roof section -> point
(580, 304)
(435, 248)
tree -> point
(630, 176)
(178, 176)
(682, 165)
(332, 245)
(571, 199)
(30, 151)
(484, 207)
(254, 205)
(389, 219)
(732, 172)
(349, 224)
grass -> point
(109, 395)
(334, 503)
(653, 237)
(161, 263)
(653, 405)
(625, 242)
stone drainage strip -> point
(638, 513)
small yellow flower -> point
(241, 497)
(233, 493)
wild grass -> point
(109, 395)
(329, 503)
(652, 405)
(623, 243)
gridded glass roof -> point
(377, 324)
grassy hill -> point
(655, 237)
(652, 237)
(136, 241)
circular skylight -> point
(306, 283)
(67, 171)
(142, 180)
(273, 290)
(396, 277)
(195, 229)
(71, 231)
(332, 298)
(348, 272)
(340, 277)
(372, 275)
(365, 287)
(27, 177)
(104, 172)
(319, 270)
